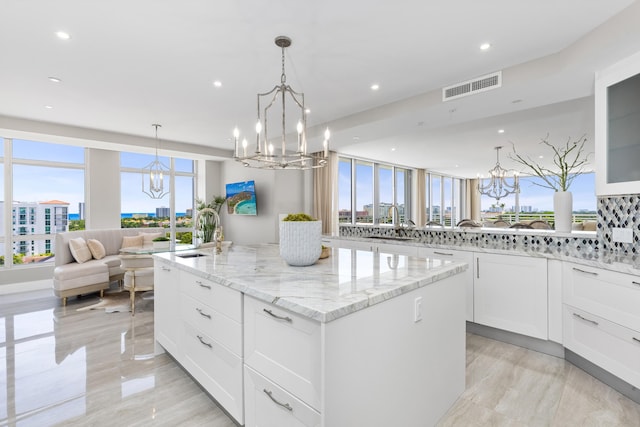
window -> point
(345, 209)
(445, 199)
(48, 186)
(364, 192)
(373, 191)
(140, 210)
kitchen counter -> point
(348, 281)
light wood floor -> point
(60, 366)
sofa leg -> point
(64, 301)
(101, 293)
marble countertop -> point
(347, 281)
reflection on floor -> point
(60, 366)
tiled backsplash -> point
(613, 211)
(619, 211)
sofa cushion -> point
(132, 241)
(71, 276)
(79, 250)
(97, 249)
(147, 238)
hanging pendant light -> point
(498, 186)
(266, 155)
(154, 174)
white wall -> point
(102, 189)
(277, 192)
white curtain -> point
(325, 194)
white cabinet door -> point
(267, 405)
(463, 256)
(284, 347)
(510, 293)
(166, 301)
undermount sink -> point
(391, 237)
(191, 255)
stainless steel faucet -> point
(394, 208)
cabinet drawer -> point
(284, 347)
(614, 296)
(215, 368)
(267, 405)
(216, 325)
(608, 345)
(225, 300)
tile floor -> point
(63, 367)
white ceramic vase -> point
(300, 242)
(563, 210)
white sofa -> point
(72, 278)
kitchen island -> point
(359, 338)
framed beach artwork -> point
(241, 198)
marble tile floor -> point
(62, 367)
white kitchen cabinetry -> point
(510, 293)
(166, 293)
(602, 319)
(200, 324)
(464, 256)
(617, 126)
(374, 367)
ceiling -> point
(129, 64)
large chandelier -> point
(268, 156)
(498, 187)
(154, 174)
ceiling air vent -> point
(470, 87)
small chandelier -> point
(154, 174)
(498, 187)
(266, 156)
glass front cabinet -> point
(617, 127)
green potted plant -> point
(569, 161)
(300, 239)
(162, 242)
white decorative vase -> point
(563, 210)
(300, 242)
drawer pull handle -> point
(585, 319)
(203, 314)
(202, 285)
(204, 342)
(635, 283)
(442, 253)
(284, 405)
(270, 313)
(593, 273)
(165, 268)
(636, 339)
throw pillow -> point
(79, 250)
(132, 241)
(96, 248)
(147, 238)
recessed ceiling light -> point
(375, 86)
(54, 79)
(500, 130)
(307, 111)
(62, 35)
(393, 148)
(541, 157)
(485, 46)
(48, 107)
(217, 83)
